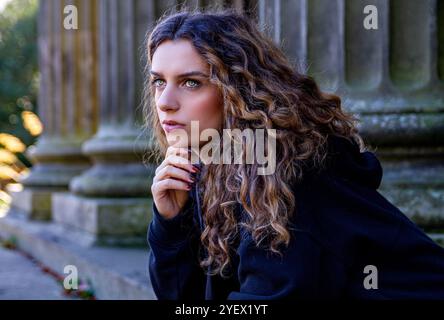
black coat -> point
(342, 224)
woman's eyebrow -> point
(183, 75)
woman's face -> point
(183, 91)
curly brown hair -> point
(261, 89)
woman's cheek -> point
(205, 112)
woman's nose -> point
(167, 101)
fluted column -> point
(116, 148)
(110, 202)
(392, 78)
(67, 104)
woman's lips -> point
(170, 127)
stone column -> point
(391, 77)
(67, 105)
(110, 203)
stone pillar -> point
(110, 203)
(392, 78)
(67, 104)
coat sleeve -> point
(173, 259)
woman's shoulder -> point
(340, 204)
(347, 178)
(344, 160)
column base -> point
(33, 203)
(103, 221)
(422, 205)
(416, 186)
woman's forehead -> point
(177, 57)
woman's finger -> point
(178, 162)
(170, 184)
(170, 171)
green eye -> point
(154, 81)
(196, 83)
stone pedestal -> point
(34, 204)
(103, 221)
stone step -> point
(114, 272)
(22, 279)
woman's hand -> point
(172, 181)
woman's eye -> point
(154, 81)
(189, 83)
(194, 83)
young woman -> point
(315, 228)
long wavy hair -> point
(261, 90)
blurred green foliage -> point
(18, 67)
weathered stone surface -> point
(424, 206)
(103, 221)
(413, 180)
(34, 203)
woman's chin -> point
(177, 138)
(173, 142)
